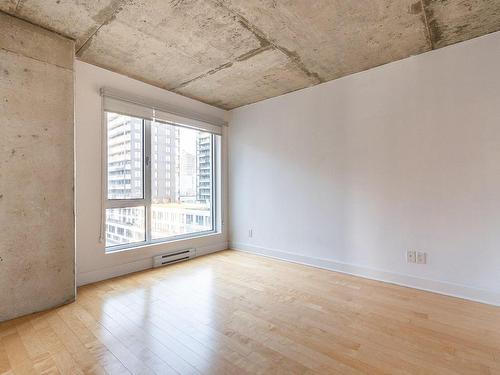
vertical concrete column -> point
(37, 251)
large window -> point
(160, 181)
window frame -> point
(146, 201)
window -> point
(160, 177)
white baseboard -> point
(89, 277)
(441, 287)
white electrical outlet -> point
(421, 257)
(411, 256)
(250, 233)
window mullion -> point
(213, 183)
(147, 176)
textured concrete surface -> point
(36, 169)
(272, 74)
(166, 44)
(24, 39)
(332, 38)
(455, 21)
(78, 20)
(201, 48)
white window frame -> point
(146, 201)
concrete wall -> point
(350, 174)
(93, 263)
(37, 253)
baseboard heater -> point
(173, 257)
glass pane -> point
(125, 155)
(125, 225)
(181, 181)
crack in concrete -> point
(35, 59)
(108, 15)
(294, 56)
(253, 52)
(176, 3)
(227, 65)
(259, 34)
(426, 23)
(18, 5)
(206, 74)
(265, 44)
(52, 31)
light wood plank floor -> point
(235, 313)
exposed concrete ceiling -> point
(234, 52)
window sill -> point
(156, 244)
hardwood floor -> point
(235, 313)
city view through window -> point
(176, 199)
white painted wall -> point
(92, 262)
(350, 174)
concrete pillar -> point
(37, 251)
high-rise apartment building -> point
(165, 163)
(125, 139)
(187, 176)
(204, 167)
